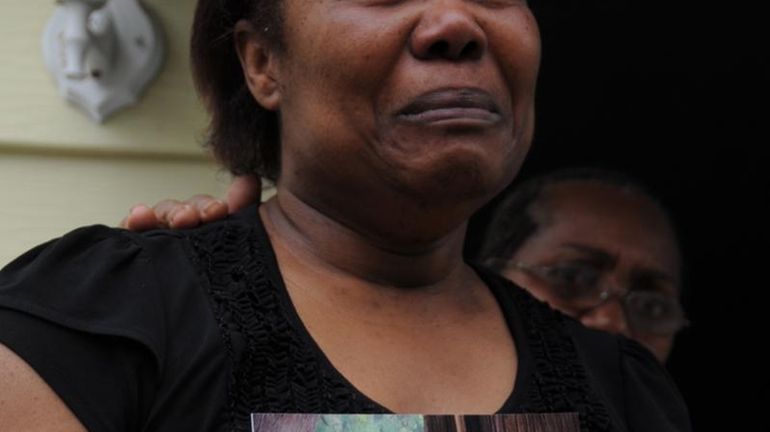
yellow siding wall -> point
(58, 170)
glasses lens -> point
(574, 282)
(653, 312)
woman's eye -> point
(652, 306)
(578, 279)
(572, 273)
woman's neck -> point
(327, 245)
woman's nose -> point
(447, 30)
(609, 316)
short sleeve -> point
(85, 313)
(652, 400)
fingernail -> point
(176, 212)
(212, 206)
(172, 216)
(135, 208)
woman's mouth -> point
(468, 107)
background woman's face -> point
(433, 98)
(624, 237)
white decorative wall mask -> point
(102, 53)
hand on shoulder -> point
(194, 211)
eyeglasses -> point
(579, 286)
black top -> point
(194, 330)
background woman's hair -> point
(513, 223)
(242, 135)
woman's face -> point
(601, 237)
(428, 99)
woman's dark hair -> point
(243, 136)
(512, 222)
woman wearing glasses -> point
(596, 246)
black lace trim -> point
(560, 382)
(274, 370)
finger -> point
(140, 218)
(209, 208)
(165, 209)
(176, 214)
(244, 191)
(183, 217)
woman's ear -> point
(259, 65)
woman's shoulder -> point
(99, 280)
(130, 305)
(651, 390)
(631, 380)
(104, 280)
(140, 311)
(101, 268)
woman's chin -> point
(453, 164)
(463, 184)
(457, 173)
